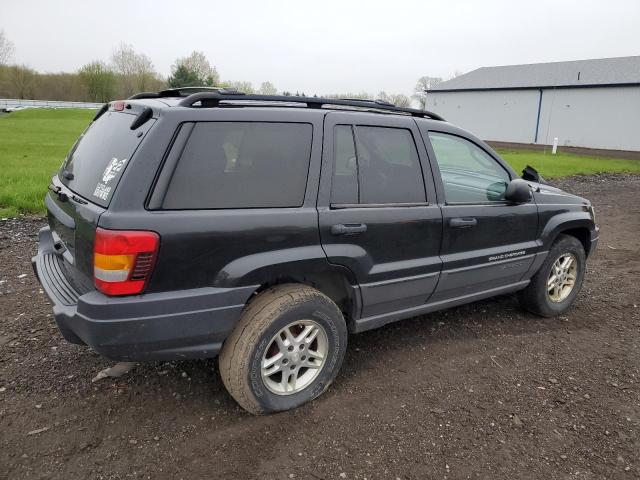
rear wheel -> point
(557, 283)
(286, 349)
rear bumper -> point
(155, 326)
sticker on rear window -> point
(102, 191)
(113, 168)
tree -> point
(60, 86)
(195, 69)
(146, 75)
(124, 60)
(353, 96)
(183, 77)
(397, 99)
(99, 80)
(23, 80)
(241, 86)
(135, 70)
(267, 88)
(400, 100)
(6, 49)
(422, 86)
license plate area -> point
(63, 238)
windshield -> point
(94, 165)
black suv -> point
(264, 229)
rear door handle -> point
(463, 222)
(348, 229)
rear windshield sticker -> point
(112, 169)
(103, 189)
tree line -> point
(128, 72)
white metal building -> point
(585, 103)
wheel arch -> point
(583, 234)
(335, 282)
(306, 265)
(575, 224)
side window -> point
(388, 166)
(469, 174)
(241, 165)
(344, 186)
(382, 166)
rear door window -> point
(344, 187)
(381, 167)
(96, 162)
(241, 165)
(388, 166)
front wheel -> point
(286, 349)
(557, 283)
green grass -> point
(567, 164)
(34, 142)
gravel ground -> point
(480, 391)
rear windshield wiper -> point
(64, 197)
(58, 191)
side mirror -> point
(518, 191)
(531, 174)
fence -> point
(9, 103)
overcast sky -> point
(325, 46)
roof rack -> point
(370, 100)
(181, 92)
(213, 99)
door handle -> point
(463, 222)
(348, 229)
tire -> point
(297, 309)
(536, 297)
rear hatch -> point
(85, 185)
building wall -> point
(607, 118)
(591, 117)
(502, 115)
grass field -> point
(567, 164)
(34, 142)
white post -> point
(555, 146)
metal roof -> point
(572, 74)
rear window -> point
(241, 165)
(95, 164)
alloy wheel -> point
(562, 277)
(294, 357)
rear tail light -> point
(123, 260)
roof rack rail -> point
(213, 99)
(182, 92)
(377, 101)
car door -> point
(488, 243)
(375, 214)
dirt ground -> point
(480, 391)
